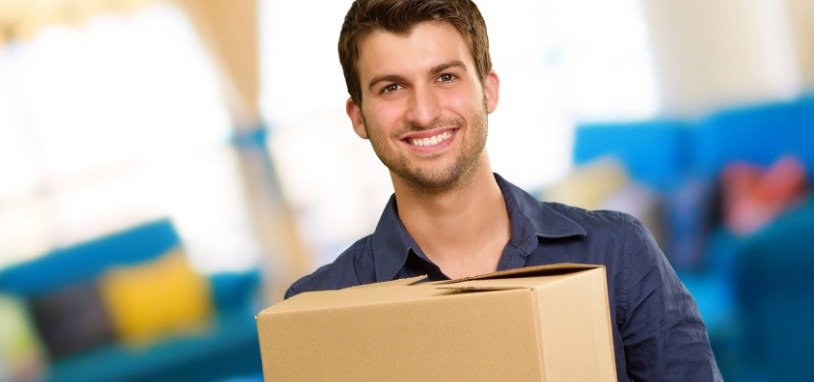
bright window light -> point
(110, 124)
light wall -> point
(801, 18)
(713, 53)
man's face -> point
(423, 108)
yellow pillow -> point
(154, 299)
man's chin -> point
(436, 179)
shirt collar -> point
(530, 216)
(530, 219)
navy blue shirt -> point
(658, 334)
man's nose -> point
(423, 108)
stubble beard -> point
(436, 178)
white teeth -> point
(431, 141)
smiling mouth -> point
(430, 141)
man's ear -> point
(491, 90)
(355, 115)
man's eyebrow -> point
(383, 78)
(451, 64)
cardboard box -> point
(548, 323)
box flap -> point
(384, 292)
(521, 278)
(399, 282)
(534, 271)
(480, 287)
(354, 297)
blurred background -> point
(169, 167)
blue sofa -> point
(227, 349)
(755, 292)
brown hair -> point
(400, 16)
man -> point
(421, 86)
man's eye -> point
(390, 88)
(447, 77)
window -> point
(113, 123)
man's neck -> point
(464, 229)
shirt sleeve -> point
(662, 331)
